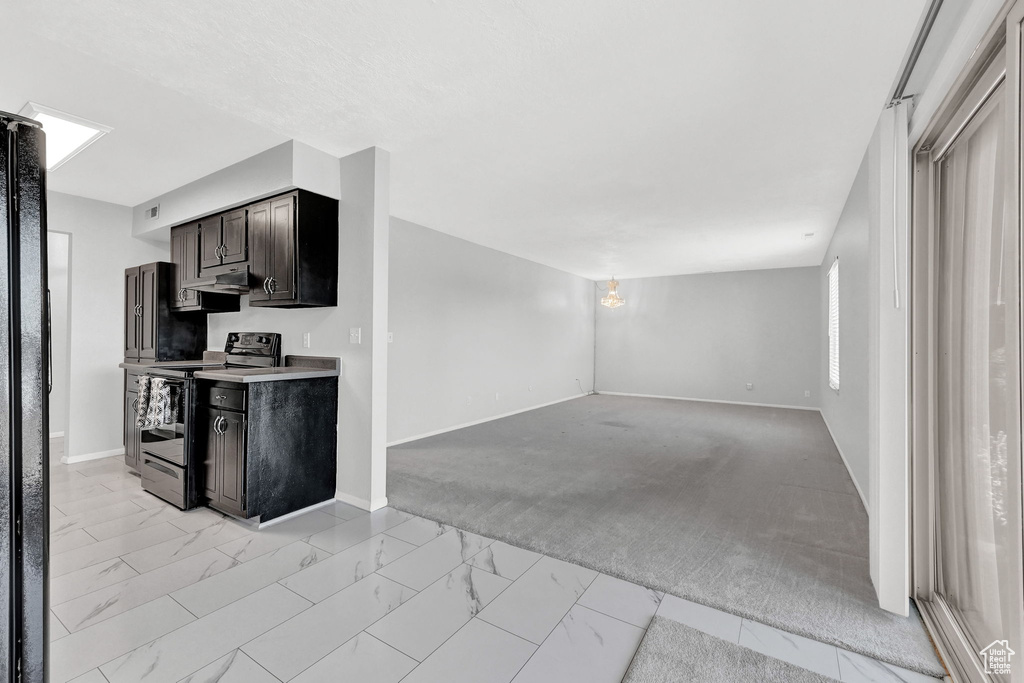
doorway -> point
(967, 371)
(58, 266)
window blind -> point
(833, 325)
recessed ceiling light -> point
(66, 134)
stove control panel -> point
(266, 345)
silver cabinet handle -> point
(135, 404)
(216, 425)
(266, 285)
(138, 310)
(220, 397)
(181, 294)
(272, 284)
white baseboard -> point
(479, 422)
(56, 435)
(72, 459)
(846, 462)
(361, 503)
(707, 400)
(292, 515)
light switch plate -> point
(355, 335)
(306, 339)
(750, 387)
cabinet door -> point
(131, 313)
(209, 243)
(282, 260)
(131, 429)
(190, 261)
(211, 447)
(232, 462)
(148, 293)
(233, 237)
(259, 261)
(178, 271)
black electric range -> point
(169, 462)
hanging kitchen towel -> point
(158, 402)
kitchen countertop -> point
(140, 366)
(247, 375)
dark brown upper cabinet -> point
(294, 256)
(153, 330)
(185, 257)
(223, 239)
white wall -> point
(58, 254)
(706, 336)
(102, 248)
(479, 333)
(846, 411)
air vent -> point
(153, 212)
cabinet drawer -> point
(222, 397)
(164, 480)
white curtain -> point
(978, 384)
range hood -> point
(234, 281)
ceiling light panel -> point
(66, 134)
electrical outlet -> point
(391, 337)
(306, 339)
(807, 393)
(750, 387)
(355, 335)
(531, 387)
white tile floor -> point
(141, 591)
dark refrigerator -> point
(24, 429)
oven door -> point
(169, 441)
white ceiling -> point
(635, 138)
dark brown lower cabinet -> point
(268, 448)
(132, 439)
(224, 460)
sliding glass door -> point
(967, 385)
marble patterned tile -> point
(57, 629)
(623, 600)
(417, 530)
(504, 560)
(69, 540)
(77, 653)
(364, 659)
(93, 676)
(806, 653)
(532, 606)
(434, 559)
(198, 518)
(478, 653)
(89, 579)
(203, 641)
(234, 667)
(225, 587)
(343, 510)
(140, 498)
(55, 514)
(856, 668)
(585, 646)
(422, 624)
(153, 556)
(100, 551)
(75, 493)
(297, 644)
(707, 619)
(279, 535)
(122, 483)
(134, 522)
(357, 530)
(130, 593)
(339, 571)
(97, 516)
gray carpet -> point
(673, 653)
(746, 509)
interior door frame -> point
(996, 62)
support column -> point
(364, 214)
